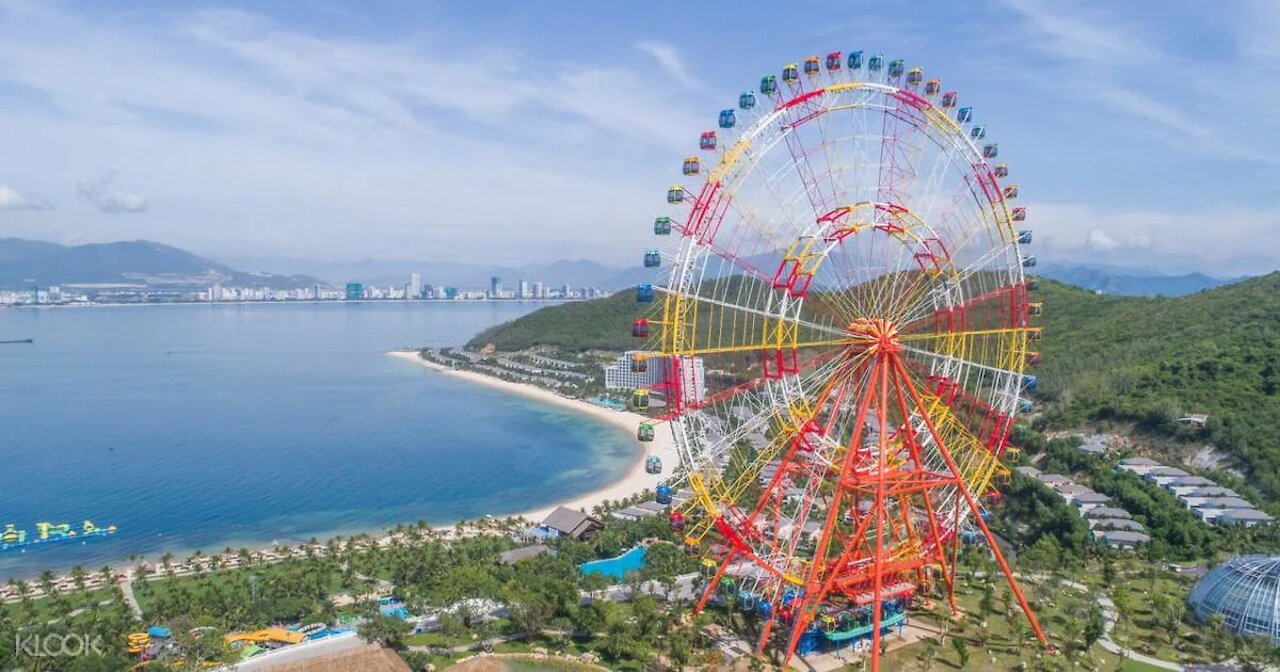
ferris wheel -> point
(839, 343)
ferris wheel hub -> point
(873, 335)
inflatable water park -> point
(12, 538)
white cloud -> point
(12, 199)
(669, 58)
(100, 193)
(1228, 241)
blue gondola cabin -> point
(875, 63)
(662, 494)
(728, 119)
(1024, 237)
(652, 259)
(855, 60)
(1029, 383)
(746, 100)
(1028, 262)
(644, 294)
(978, 132)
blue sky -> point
(1142, 133)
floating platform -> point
(12, 538)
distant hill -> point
(1129, 282)
(600, 324)
(27, 263)
(1150, 360)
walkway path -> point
(1110, 614)
(126, 587)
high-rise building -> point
(660, 373)
(539, 292)
(215, 292)
(415, 286)
(525, 291)
(495, 287)
(355, 291)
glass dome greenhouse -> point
(1244, 590)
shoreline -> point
(629, 483)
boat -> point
(11, 537)
(17, 341)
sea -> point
(202, 427)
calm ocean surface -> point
(200, 427)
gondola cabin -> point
(707, 141)
(1010, 191)
(653, 465)
(875, 63)
(1033, 358)
(1020, 214)
(964, 115)
(896, 67)
(640, 398)
(978, 132)
(692, 166)
(652, 259)
(834, 60)
(675, 194)
(791, 73)
(1035, 334)
(1032, 284)
(1024, 237)
(1028, 262)
(1001, 170)
(644, 293)
(662, 226)
(746, 100)
(640, 328)
(990, 151)
(854, 61)
(915, 76)
(728, 119)
(639, 363)
(768, 85)
(644, 432)
(1029, 383)
(662, 494)
(1035, 309)
(933, 87)
(949, 100)
(677, 521)
(1025, 406)
(812, 67)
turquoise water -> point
(200, 427)
(617, 568)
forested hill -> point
(1151, 360)
(602, 324)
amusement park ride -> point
(847, 259)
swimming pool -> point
(616, 568)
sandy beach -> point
(633, 481)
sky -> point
(1142, 134)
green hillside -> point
(1151, 360)
(600, 324)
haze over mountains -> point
(26, 263)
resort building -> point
(1126, 524)
(515, 555)
(620, 376)
(1089, 500)
(1120, 538)
(566, 522)
(1028, 471)
(1053, 480)
(1138, 465)
(1246, 517)
(1106, 512)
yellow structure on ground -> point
(266, 635)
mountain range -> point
(139, 263)
(24, 263)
